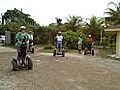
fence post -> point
(7, 37)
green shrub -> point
(71, 39)
(105, 42)
(48, 46)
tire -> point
(32, 51)
(30, 63)
(85, 52)
(79, 51)
(63, 53)
(14, 64)
(92, 52)
(54, 53)
(2, 41)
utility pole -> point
(21, 9)
(2, 19)
(101, 32)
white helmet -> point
(30, 31)
(59, 32)
(89, 35)
(23, 27)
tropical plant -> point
(70, 39)
(15, 18)
(74, 23)
(113, 14)
(94, 26)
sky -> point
(44, 12)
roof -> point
(115, 28)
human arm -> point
(17, 39)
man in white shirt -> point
(79, 43)
(30, 40)
(59, 38)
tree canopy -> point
(72, 28)
(113, 14)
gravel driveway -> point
(73, 72)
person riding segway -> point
(89, 48)
(80, 44)
(22, 60)
(30, 43)
(59, 50)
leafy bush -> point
(70, 39)
(105, 42)
(48, 46)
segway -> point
(23, 61)
(59, 51)
(30, 47)
(89, 50)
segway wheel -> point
(30, 63)
(63, 53)
(32, 51)
(54, 53)
(92, 52)
(85, 52)
(14, 64)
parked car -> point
(2, 39)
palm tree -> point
(14, 18)
(114, 14)
(58, 22)
(74, 22)
(94, 27)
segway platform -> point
(25, 63)
(60, 51)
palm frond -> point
(112, 3)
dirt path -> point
(73, 72)
(6, 49)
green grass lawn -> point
(103, 53)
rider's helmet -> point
(80, 35)
(59, 33)
(30, 32)
(22, 28)
(89, 36)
